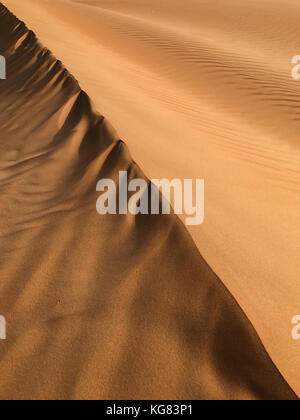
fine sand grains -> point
(126, 307)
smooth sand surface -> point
(197, 90)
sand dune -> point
(101, 308)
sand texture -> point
(124, 307)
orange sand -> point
(127, 308)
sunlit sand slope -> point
(101, 307)
(203, 88)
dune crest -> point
(98, 307)
(204, 90)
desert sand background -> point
(204, 89)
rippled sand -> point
(127, 308)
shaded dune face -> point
(101, 306)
